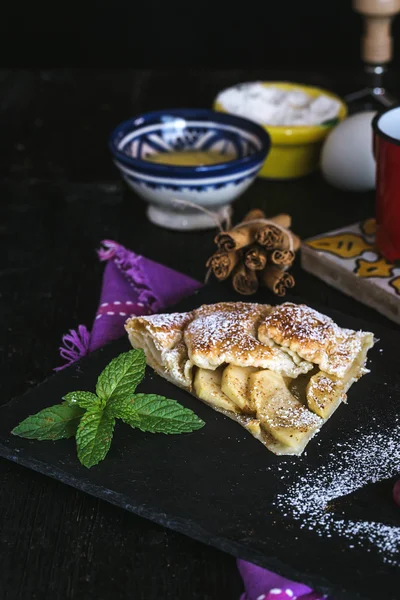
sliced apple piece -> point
(324, 394)
(297, 387)
(279, 412)
(255, 429)
(235, 383)
(207, 386)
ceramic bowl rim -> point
(376, 127)
(294, 134)
(237, 164)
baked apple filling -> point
(279, 371)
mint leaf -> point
(121, 376)
(84, 400)
(54, 423)
(124, 409)
(161, 415)
(91, 418)
(94, 436)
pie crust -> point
(280, 371)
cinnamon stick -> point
(269, 236)
(236, 238)
(290, 241)
(244, 280)
(277, 281)
(223, 263)
(255, 258)
(281, 258)
(272, 238)
(283, 220)
(266, 234)
(254, 214)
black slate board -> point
(217, 485)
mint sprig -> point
(160, 415)
(53, 423)
(91, 417)
(86, 400)
(124, 409)
(121, 376)
(94, 436)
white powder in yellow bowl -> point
(270, 105)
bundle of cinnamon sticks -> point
(258, 251)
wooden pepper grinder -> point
(376, 46)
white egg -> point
(347, 159)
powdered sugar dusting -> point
(303, 323)
(373, 457)
(297, 416)
(227, 333)
(227, 324)
(167, 328)
(315, 337)
(168, 321)
(158, 335)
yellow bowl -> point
(295, 149)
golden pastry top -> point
(287, 338)
(166, 330)
(227, 327)
(314, 337)
(301, 364)
(228, 333)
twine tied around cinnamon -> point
(257, 251)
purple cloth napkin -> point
(261, 584)
(135, 285)
(132, 285)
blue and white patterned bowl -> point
(212, 187)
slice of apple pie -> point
(280, 371)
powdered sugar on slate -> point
(374, 456)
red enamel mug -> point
(386, 127)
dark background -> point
(60, 196)
(181, 33)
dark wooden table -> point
(61, 195)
